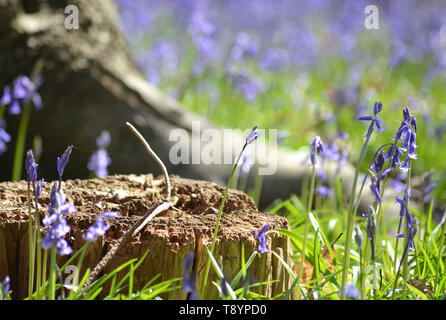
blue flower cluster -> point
(15, 96)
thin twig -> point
(154, 156)
(153, 211)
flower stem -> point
(31, 246)
(307, 225)
(350, 217)
(20, 144)
(214, 238)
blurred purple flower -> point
(6, 286)
(189, 284)
(323, 191)
(351, 292)
(5, 138)
(100, 160)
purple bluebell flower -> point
(100, 228)
(323, 191)
(351, 292)
(252, 136)
(57, 224)
(412, 146)
(5, 138)
(396, 157)
(375, 189)
(31, 166)
(317, 147)
(262, 247)
(402, 203)
(413, 123)
(6, 286)
(58, 202)
(405, 165)
(62, 161)
(6, 97)
(39, 186)
(378, 162)
(412, 231)
(100, 160)
(189, 284)
(375, 121)
(24, 90)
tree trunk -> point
(169, 237)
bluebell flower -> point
(375, 189)
(396, 157)
(189, 284)
(252, 136)
(100, 228)
(6, 97)
(322, 191)
(58, 202)
(100, 160)
(262, 247)
(402, 203)
(351, 292)
(24, 90)
(5, 138)
(375, 121)
(57, 224)
(31, 166)
(378, 162)
(317, 147)
(6, 286)
(39, 186)
(62, 161)
(405, 165)
(412, 230)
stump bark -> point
(169, 237)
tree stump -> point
(169, 237)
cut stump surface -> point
(169, 237)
